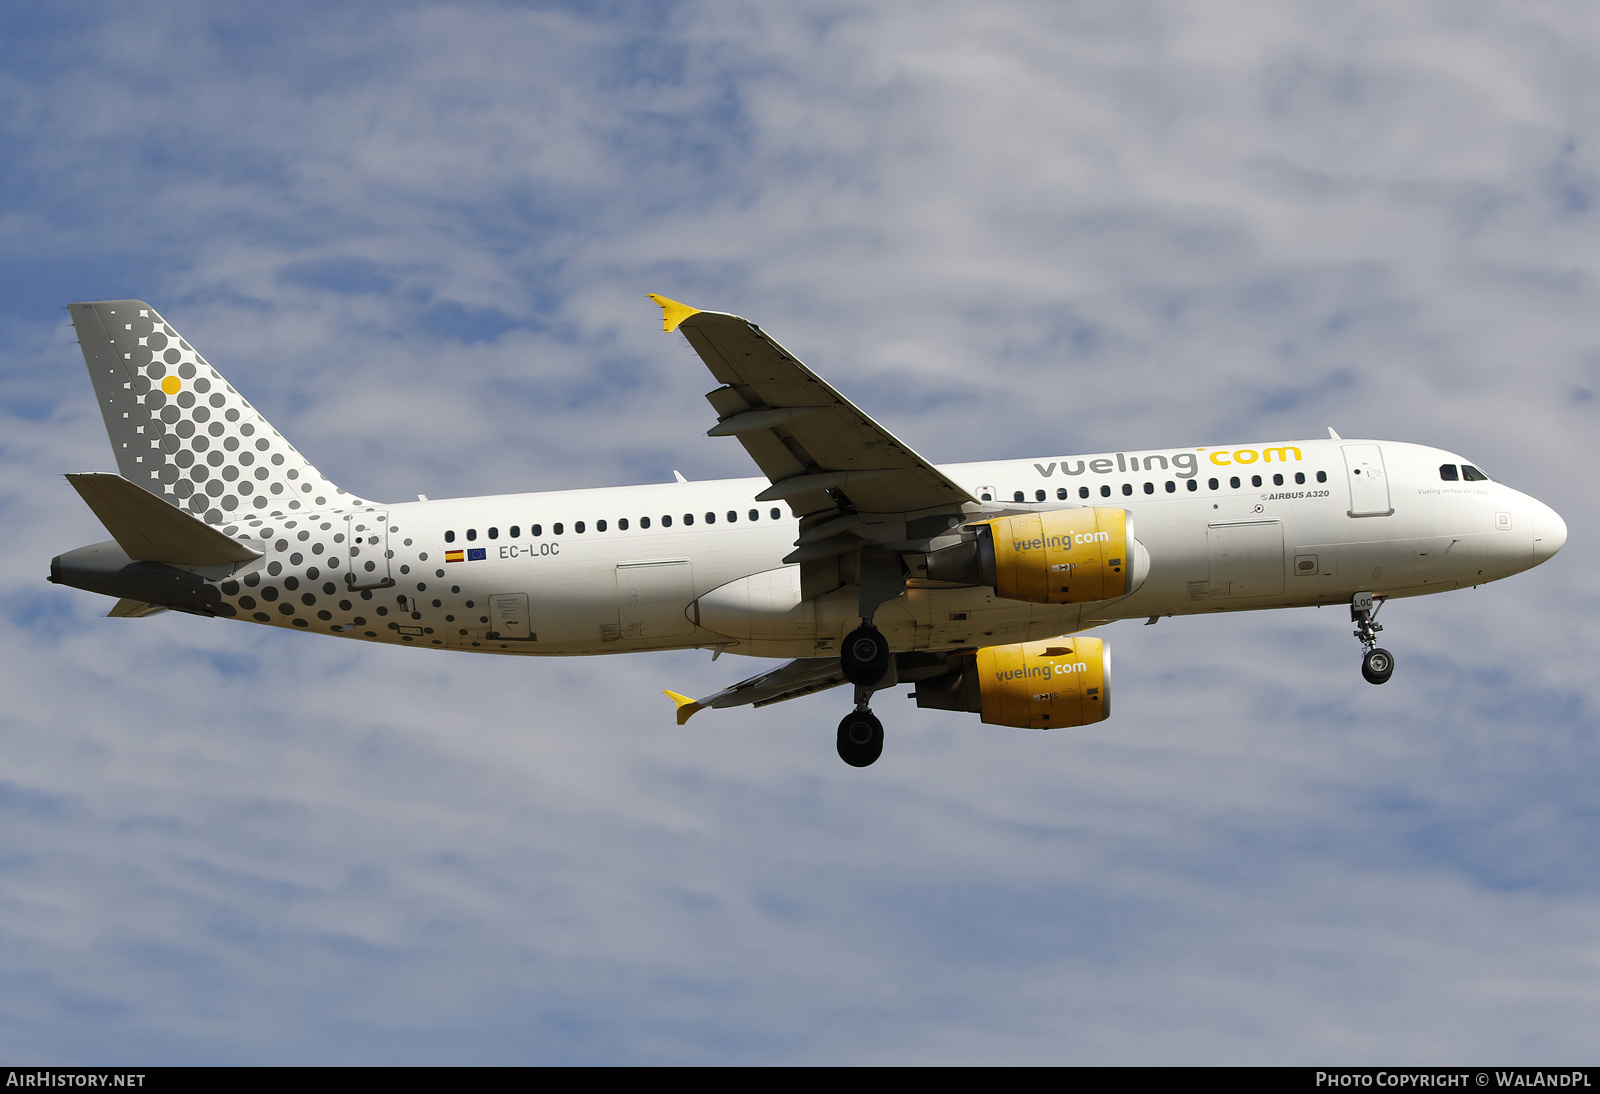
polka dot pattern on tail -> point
(182, 432)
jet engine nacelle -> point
(1062, 556)
(1030, 685)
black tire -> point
(865, 656)
(860, 738)
(1377, 665)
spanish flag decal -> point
(452, 556)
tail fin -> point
(181, 432)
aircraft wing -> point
(806, 437)
(789, 681)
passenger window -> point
(1322, 476)
(494, 533)
(755, 514)
(449, 537)
(1472, 474)
(1299, 478)
(622, 525)
(557, 528)
(472, 534)
(666, 521)
(711, 518)
(536, 531)
(1105, 491)
(578, 528)
(1083, 491)
(1038, 495)
(516, 531)
(1447, 472)
(774, 512)
(599, 526)
(688, 519)
(1017, 496)
(1195, 485)
(1277, 480)
(1172, 487)
(1061, 493)
(1234, 482)
(1214, 484)
(1127, 489)
(1255, 480)
(644, 522)
(733, 515)
(986, 497)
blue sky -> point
(418, 237)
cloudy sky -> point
(418, 238)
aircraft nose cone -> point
(1549, 533)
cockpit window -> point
(1447, 472)
(1472, 474)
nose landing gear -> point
(1377, 664)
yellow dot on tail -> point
(171, 385)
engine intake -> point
(1031, 685)
(1063, 556)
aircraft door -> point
(652, 597)
(508, 617)
(1246, 558)
(1369, 484)
(367, 537)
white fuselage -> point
(645, 567)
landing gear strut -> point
(1377, 664)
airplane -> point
(850, 557)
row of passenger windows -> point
(580, 527)
(1447, 472)
(1234, 483)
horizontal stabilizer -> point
(133, 609)
(151, 530)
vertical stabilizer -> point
(181, 431)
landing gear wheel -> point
(865, 656)
(1377, 665)
(860, 738)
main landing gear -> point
(1377, 664)
(865, 659)
(860, 737)
(865, 655)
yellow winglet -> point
(672, 313)
(686, 705)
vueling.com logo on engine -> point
(1059, 543)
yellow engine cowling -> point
(1064, 556)
(1045, 685)
(1031, 685)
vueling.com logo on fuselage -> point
(1183, 465)
(1059, 543)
